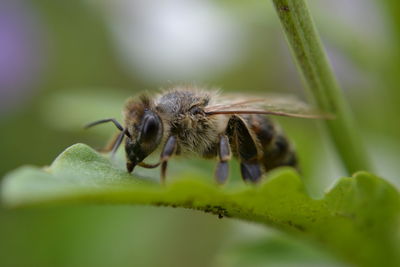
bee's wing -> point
(280, 105)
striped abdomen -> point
(276, 149)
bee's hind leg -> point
(224, 154)
(246, 149)
(251, 171)
(168, 150)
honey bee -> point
(187, 120)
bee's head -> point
(145, 129)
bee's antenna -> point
(116, 123)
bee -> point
(188, 120)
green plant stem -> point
(318, 77)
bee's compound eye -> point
(150, 128)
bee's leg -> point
(116, 140)
(117, 143)
(224, 154)
(168, 150)
(250, 171)
(110, 145)
(113, 144)
(246, 149)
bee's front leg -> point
(224, 154)
(168, 150)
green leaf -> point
(357, 220)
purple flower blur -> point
(21, 52)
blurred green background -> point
(65, 63)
